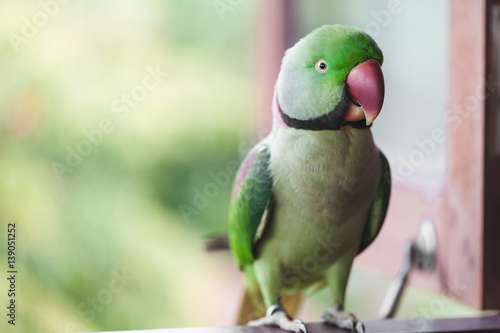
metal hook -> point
(420, 253)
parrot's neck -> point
(312, 160)
(329, 121)
(339, 145)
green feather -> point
(249, 205)
(378, 209)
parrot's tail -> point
(253, 307)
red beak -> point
(365, 84)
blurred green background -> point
(114, 176)
(116, 206)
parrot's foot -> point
(337, 317)
(277, 316)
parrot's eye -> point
(321, 66)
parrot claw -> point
(277, 316)
(337, 317)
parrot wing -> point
(378, 209)
(251, 201)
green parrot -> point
(314, 193)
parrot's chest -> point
(324, 183)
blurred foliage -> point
(114, 211)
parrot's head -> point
(331, 77)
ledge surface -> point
(449, 325)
